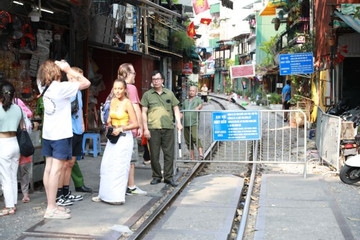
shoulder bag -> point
(25, 144)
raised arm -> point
(65, 67)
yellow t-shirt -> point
(120, 118)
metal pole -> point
(332, 79)
(146, 37)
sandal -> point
(56, 214)
(25, 199)
(201, 157)
(7, 211)
(64, 209)
(96, 199)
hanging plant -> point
(181, 41)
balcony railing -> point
(220, 63)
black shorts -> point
(77, 145)
(286, 105)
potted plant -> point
(247, 94)
(239, 93)
(275, 98)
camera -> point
(110, 131)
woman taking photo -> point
(10, 116)
(115, 164)
(57, 129)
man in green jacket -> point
(191, 122)
(158, 105)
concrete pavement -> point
(318, 207)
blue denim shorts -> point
(59, 149)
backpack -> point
(75, 106)
(105, 112)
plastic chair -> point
(96, 144)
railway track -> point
(144, 218)
(190, 171)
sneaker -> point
(147, 162)
(61, 201)
(135, 190)
(73, 198)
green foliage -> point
(259, 91)
(216, 23)
(173, 1)
(270, 50)
(300, 48)
(192, 83)
(238, 92)
(259, 96)
(295, 99)
(229, 63)
(275, 98)
(181, 41)
(228, 90)
(228, 86)
(357, 13)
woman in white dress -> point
(115, 165)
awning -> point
(270, 7)
(354, 23)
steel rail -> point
(244, 217)
(152, 219)
(213, 96)
(245, 214)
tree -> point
(269, 48)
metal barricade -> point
(281, 142)
(328, 130)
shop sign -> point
(300, 39)
(161, 35)
(296, 63)
(246, 70)
(187, 68)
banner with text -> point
(296, 63)
(237, 125)
(240, 71)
